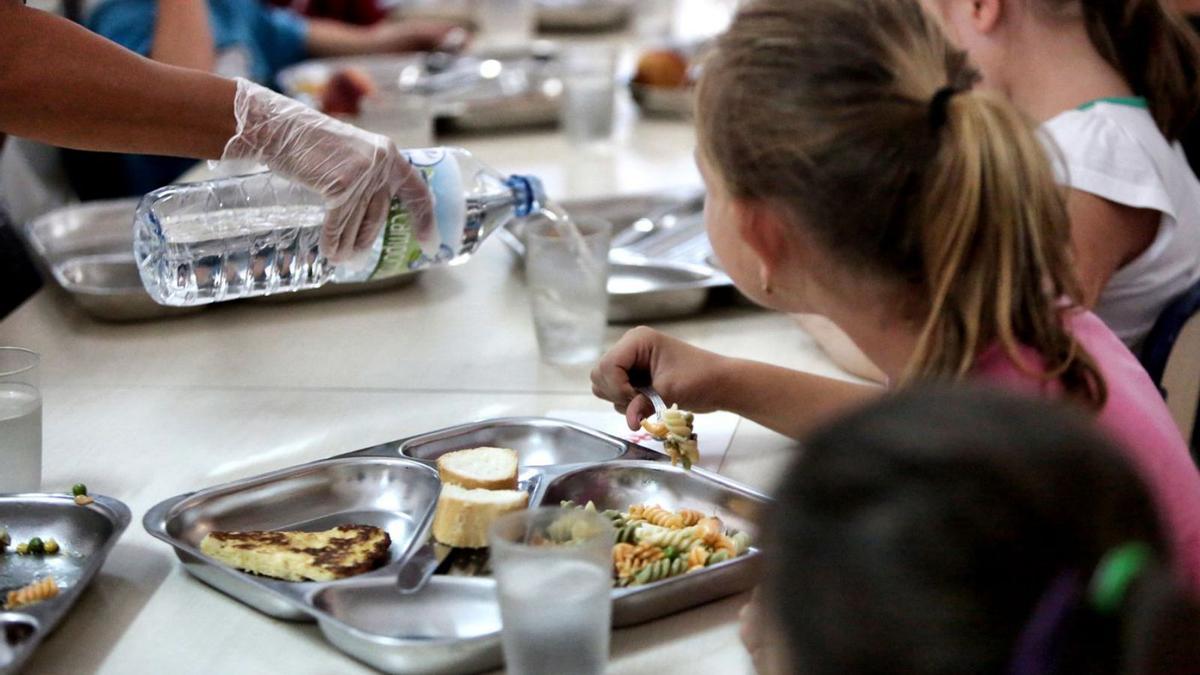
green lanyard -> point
(1131, 101)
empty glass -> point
(553, 570)
(589, 93)
(20, 421)
(506, 23)
(567, 273)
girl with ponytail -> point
(855, 170)
(952, 531)
(1115, 84)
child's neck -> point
(1054, 68)
(888, 340)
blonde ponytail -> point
(830, 111)
(995, 244)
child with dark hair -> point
(965, 531)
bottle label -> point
(404, 249)
(401, 253)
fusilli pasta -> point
(40, 590)
(656, 515)
(659, 570)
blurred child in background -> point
(233, 38)
(955, 531)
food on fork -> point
(674, 429)
(464, 515)
(341, 552)
(487, 468)
(38, 591)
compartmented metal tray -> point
(661, 265)
(88, 250)
(553, 15)
(450, 624)
(86, 534)
(485, 91)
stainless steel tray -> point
(86, 534)
(451, 623)
(88, 250)
(513, 89)
(661, 265)
(583, 15)
(553, 15)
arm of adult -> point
(1106, 236)
(183, 35)
(62, 85)
(787, 401)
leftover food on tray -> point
(80, 492)
(36, 546)
(654, 543)
(5, 539)
(341, 552)
(666, 68)
(487, 468)
(674, 429)
(40, 590)
(464, 515)
(345, 90)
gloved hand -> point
(357, 172)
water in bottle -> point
(257, 235)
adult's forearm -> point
(61, 84)
(183, 36)
(334, 38)
(788, 401)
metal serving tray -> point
(583, 15)
(88, 250)
(553, 15)
(661, 265)
(450, 624)
(86, 535)
(477, 92)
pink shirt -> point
(1136, 417)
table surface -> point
(146, 411)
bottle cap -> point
(529, 193)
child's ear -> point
(986, 14)
(765, 233)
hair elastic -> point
(1117, 570)
(938, 106)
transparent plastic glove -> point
(357, 172)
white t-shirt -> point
(1113, 149)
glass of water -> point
(20, 421)
(589, 109)
(506, 23)
(566, 267)
(553, 570)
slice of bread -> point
(341, 552)
(487, 468)
(463, 516)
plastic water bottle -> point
(257, 235)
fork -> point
(640, 380)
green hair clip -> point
(1115, 572)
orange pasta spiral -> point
(697, 557)
(656, 515)
(690, 517)
(629, 558)
(32, 594)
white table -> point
(145, 411)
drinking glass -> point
(407, 119)
(566, 267)
(506, 23)
(553, 570)
(589, 106)
(20, 421)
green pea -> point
(79, 489)
(5, 540)
(36, 546)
